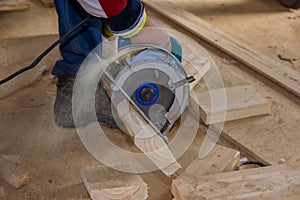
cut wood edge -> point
(236, 114)
(121, 193)
(241, 102)
(147, 139)
(13, 174)
(104, 183)
(220, 159)
(286, 77)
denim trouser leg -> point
(75, 49)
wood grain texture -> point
(259, 183)
(147, 139)
(220, 159)
(12, 173)
(13, 5)
(104, 183)
(241, 102)
(284, 76)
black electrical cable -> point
(41, 56)
(253, 163)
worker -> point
(123, 18)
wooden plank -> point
(282, 75)
(259, 183)
(104, 183)
(13, 5)
(13, 174)
(241, 102)
(147, 140)
(220, 159)
(47, 3)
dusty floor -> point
(53, 156)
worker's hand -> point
(152, 33)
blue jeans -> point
(85, 39)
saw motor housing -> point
(153, 81)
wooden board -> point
(104, 183)
(259, 183)
(47, 3)
(13, 5)
(284, 76)
(12, 173)
(241, 102)
(220, 159)
(147, 139)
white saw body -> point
(153, 81)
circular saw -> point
(153, 81)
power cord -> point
(41, 56)
(253, 163)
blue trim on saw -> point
(142, 86)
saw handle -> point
(176, 46)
